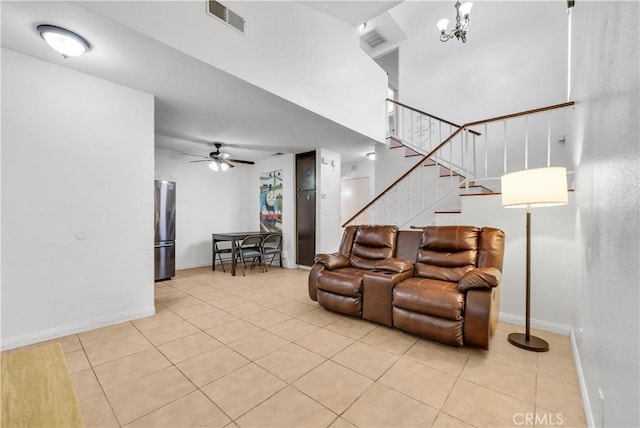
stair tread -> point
(410, 152)
(394, 143)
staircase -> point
(460, 160)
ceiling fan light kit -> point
(218, 166)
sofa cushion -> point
(447, 252)
(373, 243)
(345, 282)
(430, 297)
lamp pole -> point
(535, 187)
(528, 285)
(526, 341)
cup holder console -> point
(382, 271)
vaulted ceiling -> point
(195, 103)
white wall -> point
(515, 58)
(206, 202)
(288, 49)
(552, 248)
(77, 201)
(391, 164)
(604, 141)
(287, 164)
(360, 169)
(328, 226)
(352, 174)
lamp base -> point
(533, 344)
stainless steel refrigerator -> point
(165, 237)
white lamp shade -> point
(214, 166)
(442, 24)
(224, 166)
(536, 187)
(465, 8)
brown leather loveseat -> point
(440, 282)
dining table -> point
(234, 238)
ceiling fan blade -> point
(203, 160)
(226, 162)
(195, 156)
(241, 161)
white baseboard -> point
(586, 404)
(551, 327)
(55, 332)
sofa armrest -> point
(332, 261)
(480, 278)
(481, 310)
(394, 265)
(314, 274)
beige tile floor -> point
(256, 351)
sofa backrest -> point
(447, 252)
(440, 252)
(372, 243)
(347, 240)
(491, 248)
(408, 243)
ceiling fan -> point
(220, 161)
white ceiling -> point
(195, 103)
(352, 12)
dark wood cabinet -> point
(305, 208)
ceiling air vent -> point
(223, 13)
(373, 38)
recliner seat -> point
(340, 288)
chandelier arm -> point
(459, 31)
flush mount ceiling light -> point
(462, 25)
(66, 42)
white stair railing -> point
(471, 157)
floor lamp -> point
(536, 187)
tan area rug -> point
(37, 389)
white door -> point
(354, 194)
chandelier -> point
(462, 25)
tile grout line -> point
(293, 341)
(98, 380)
(231, 349)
